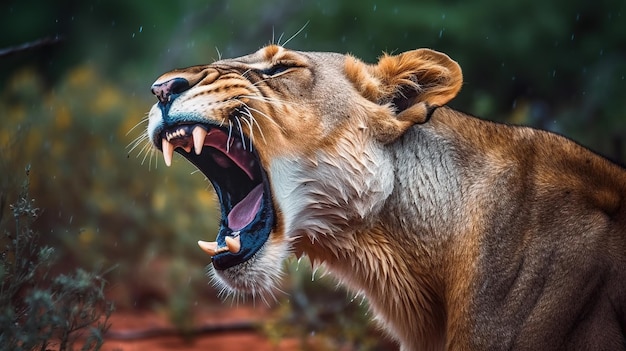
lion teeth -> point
(233, 243)
(168, 151)
(209, 247)
(198, 139)
(179, 133)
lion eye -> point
(274, 70)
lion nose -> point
(170, 89)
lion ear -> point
(411, 83)
(417, 76)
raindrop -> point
(441, 32)
(140, 29)
(374, 7)
(443, 16)
(577, 17)
(572, 38)
(553, 73)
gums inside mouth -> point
(241, 184)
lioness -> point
(461, 233)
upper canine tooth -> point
(233, 244)
(168, 151)
(198, 139)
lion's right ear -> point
(411, 83)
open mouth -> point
(241, 184)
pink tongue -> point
(244, 212)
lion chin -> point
(256, 277)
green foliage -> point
(105, 205)
(39, 309)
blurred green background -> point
(76, 97)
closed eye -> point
(275, 69)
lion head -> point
(294, 144)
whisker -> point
(143, 120)
(230, 133)
(270, 100)
(295, 35)
(249, 123)
(138, 137)
(144, 149)
(138, 141)
(154, 153)
(243, 74)
(254, 122)
(146, 152)
(219, 54)
(261, 81)
(240, 132)
(279, 38)
(261, 113)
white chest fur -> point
(326, 191)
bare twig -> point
(36, 44)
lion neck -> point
(370, 254)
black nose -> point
(168, 90)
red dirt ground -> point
(142, 331)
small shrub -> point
(39, 309)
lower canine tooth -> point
(233, 244)
(208, 247)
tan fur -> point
(463, 234)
